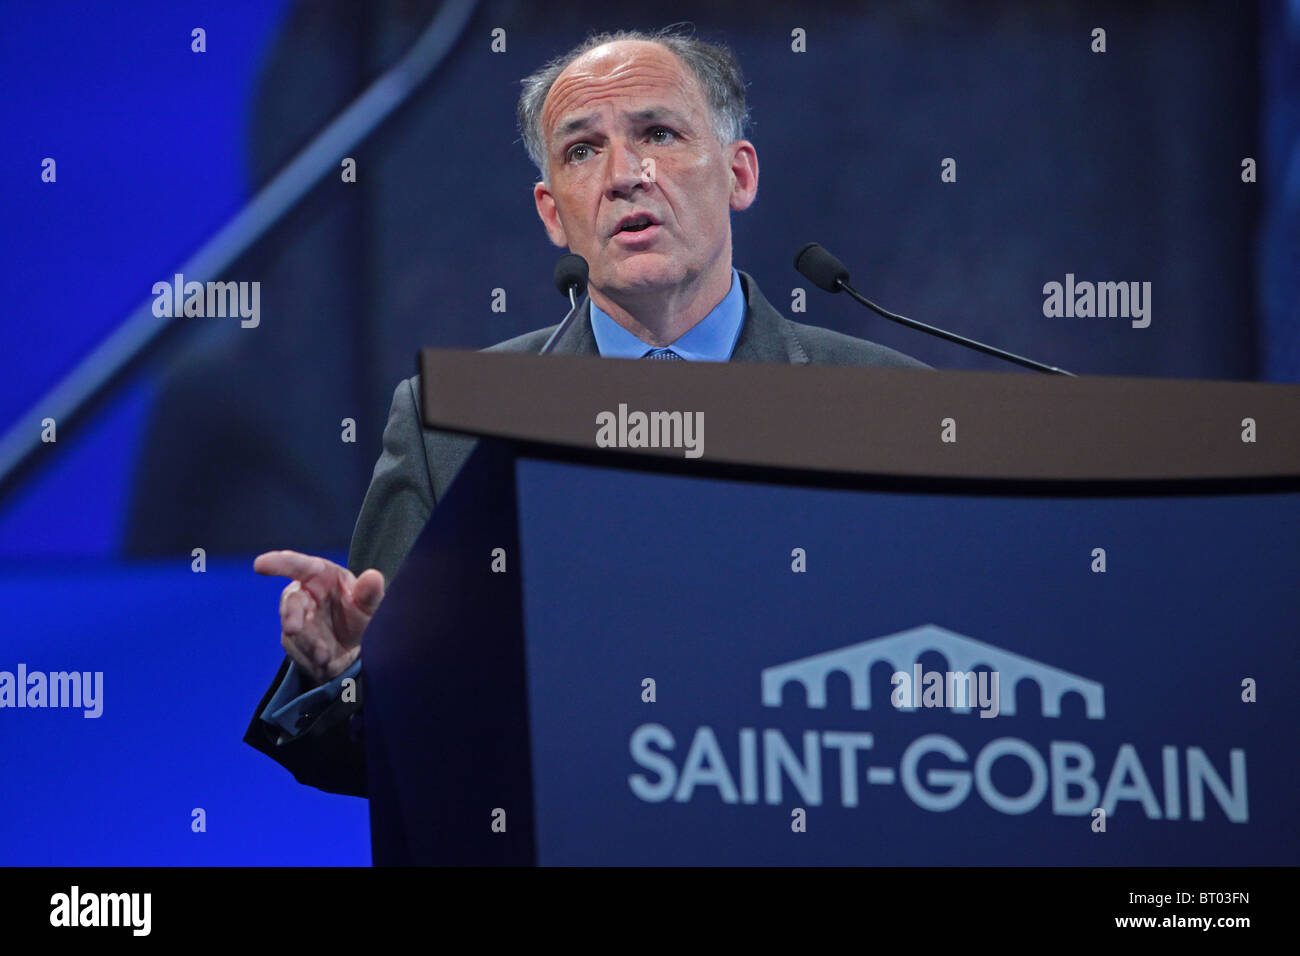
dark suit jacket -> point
(418, 464)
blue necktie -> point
(663, 354)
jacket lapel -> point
(578, 339)
(766, 335)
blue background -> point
(179, 663)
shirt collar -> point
(712, 339)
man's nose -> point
(624, 171)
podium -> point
(842, 616)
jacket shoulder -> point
(827, 347)
(528, 342)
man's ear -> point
(550, 215)
(743, 160)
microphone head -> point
(825, 271)
(571, 270)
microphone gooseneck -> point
(827, 272)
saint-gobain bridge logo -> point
(903, 651)
(936, 771)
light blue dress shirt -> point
(712, 339)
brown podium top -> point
(888, 422)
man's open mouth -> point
(637, 223)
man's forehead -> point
(633, 69)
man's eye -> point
(662, 129)
(574, 149)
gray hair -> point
(714, 65)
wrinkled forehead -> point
(629, 75)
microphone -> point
(827, 272)
(571, 280)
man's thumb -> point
(369, 591)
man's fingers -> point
(321, 577)
(297, 604)
(289, 564)
(368, 591)
(290, 588)
(307, 604)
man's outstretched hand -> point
(323, 611)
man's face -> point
(628, 131)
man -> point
(638, 140)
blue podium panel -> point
(867, 677)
